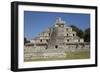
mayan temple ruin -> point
(57, 40)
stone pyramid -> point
(57, 35)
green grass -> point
(78, 55)
(68, 56)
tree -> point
(87, 35)
(25, 40)
(78, 31)
(82, 34)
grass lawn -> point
(68, 56)
(78, 55)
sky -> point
(37, 22)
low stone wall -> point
(36, 53)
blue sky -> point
(36, 22)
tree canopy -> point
(87, 35)
(82, 34)
(25, 40)
(79, 31)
